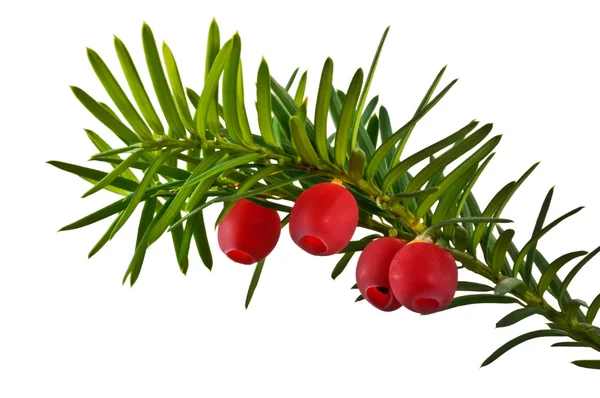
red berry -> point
(249, 232)
(372, 272)
(324, 219)
(423, 277)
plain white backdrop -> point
(69, 329)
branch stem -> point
(587, 334)
(583, 333)
(396, 210)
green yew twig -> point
(224, 160)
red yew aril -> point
(249, 232)
(372, 272)
(423, 277)
(324, 219)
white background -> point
(69, 329)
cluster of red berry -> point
(390, 273)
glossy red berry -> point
(249, 232)
(324, 219)
(372, 272)
(423, 277)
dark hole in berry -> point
(378, 296)
(383, 289)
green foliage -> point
(574, 272)
(341, 264)
(199, 233)
(500, 249)
(425, 105)
(473, 287)
(481, 299)
(161, 87)
(254, 282)
(539, 224)
(343, 133)
(116, 173)
(365, 90)
(521, 339)
(508, 285)
(118, 96)
(389, 145)
(589, 364)
(117, 184)
(548, 276)
(518, 315)
(425, 153)
(530, 245)
(206, 100)
(137, 87)
(263, 106)
(356, 164)
(322, 110)
(210, 155)
(105, 117)
(302, 143)
(178, 92)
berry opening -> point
(383, 289)
(426, 305)
(378, 296)
(313, 245)
(240, 256)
